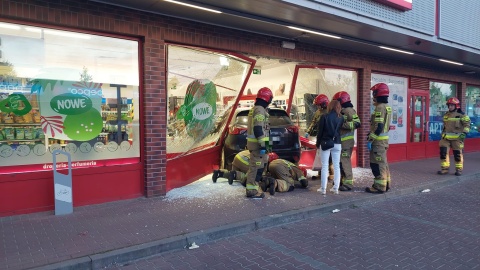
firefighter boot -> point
(304, 183)
(373, 190)
(272, 186)
(216, 175)
(443, 171)
(231, 176)
(258, 195)
(458, 172)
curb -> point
(120, 256)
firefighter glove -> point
(306, 135)
(263, 150)
(369, 146)
(462, 136)
(356, 124)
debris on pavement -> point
(335, 210)
(425, 190)
(193, 246)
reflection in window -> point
(69, 91)
(439, 94)
(314, 81)
(473, 109)
(202, 87)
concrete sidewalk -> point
(101, 235)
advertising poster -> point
(398, 101)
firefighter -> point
(377, 140)
(347, 134)
(283, 175)
(239, 169)
(258, 133)
(321, 101)
(456, 125)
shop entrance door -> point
(418, 124)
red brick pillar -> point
(363, 111)
(461, 95)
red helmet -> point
(342, 96)
(272, 156)
(380, 90)
(321, 100)
(455, 101)
(265, 93)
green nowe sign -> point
(257, 71)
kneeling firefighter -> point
(239, 169)
(283, 175)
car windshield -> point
(277, 118)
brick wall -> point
(156, 30)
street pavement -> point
(112, 234)
(439, 229)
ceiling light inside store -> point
(313, 32)
(395, 50)
(224, 61)
(33, 29)
(451, 62)
(65, 34)
(193, 6)
(9, 26)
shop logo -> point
(71, 104)
(202, 111)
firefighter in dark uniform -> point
(283, 175)
(239, 169)
(347, 134)
(258, 133)
(321, 101)
(456, 125)
(377, 141)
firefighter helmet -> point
(454, 101)
(272, 156)
(342, 96)
(265, 94)
(321, 100)
(380, 90)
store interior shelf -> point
(24, 140)
(20, 125)
(114, 112)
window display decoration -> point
(202, 87)
(398, 87)
(67, 92)
(199, 108)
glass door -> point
(418, 135)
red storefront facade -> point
(150, 171)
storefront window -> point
(473, 110)
(69, 91)
(439, 94)
(202, 87)
(398, 101)
(312, 81)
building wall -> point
(420, 19)
(460, 23)
(156, 30)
